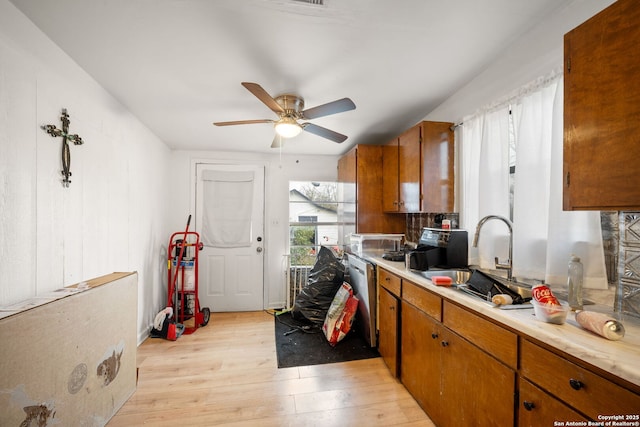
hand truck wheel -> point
(206, 314)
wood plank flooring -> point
(226, 374)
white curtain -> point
(484, 189)
(228, 203)
(544, 235)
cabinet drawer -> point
(389, 281)
(423, 299)
(495, 340)
(578, 387)
(537, 408)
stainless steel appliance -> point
(440, 248)
(362, 276)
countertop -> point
(620, 358)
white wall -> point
(113, 215)
(536, 54)
(279, 170)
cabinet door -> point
(537, 408)
(390, 187)
(477, 390)
(360, 176)
(389, 311)
(601, 110)
(437, 167)
(420, 359)
(409, 170)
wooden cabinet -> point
(420, 359)
(455, 381)
(579, 388)
(488, 336)
(390, 281)
(476, 389)
(390, 177)
(418, 170)
(601, 110)
(438, 178)
(537, 408)
(409, 170)
(464, 368)
(388, 335)
(389, 291)
(360, 178)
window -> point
(314, 220)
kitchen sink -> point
(463, 280)
(467, 282)
(458, 276)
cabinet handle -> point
(434, 335)
(445, 343)
(387, 279)
(392, 308)
(395, 203)
(528, 405)
(576, 384)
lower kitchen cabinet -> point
(420, 362)
(537, 408)
(465, 369)
(454, 381)
(389, 310)
(476, 389)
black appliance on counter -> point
(440, 248)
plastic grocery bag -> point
(340, 315)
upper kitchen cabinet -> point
(437, 167)
(401, 165)
(360, 179)
(601, 110)
(418, 170)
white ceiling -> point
(177, 64)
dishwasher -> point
(362, 275)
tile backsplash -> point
(417, 221)
(627, 299)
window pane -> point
(315, 219)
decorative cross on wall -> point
(66, 153)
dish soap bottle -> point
(574, 283)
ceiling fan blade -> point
(324, 132)
(344, 104)
(242, 122)
(277, 142)
(263, 96)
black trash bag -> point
(325, 278)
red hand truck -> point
(182, 274)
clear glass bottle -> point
(574, 283)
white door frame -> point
(192, 195)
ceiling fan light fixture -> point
(287, 127)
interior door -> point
(230, 220)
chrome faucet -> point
(508, 265)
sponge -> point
(442, 280)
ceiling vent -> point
(313, 2)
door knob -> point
(259, 249)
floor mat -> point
(302, 344)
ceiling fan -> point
(290, 109)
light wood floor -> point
(226, 374)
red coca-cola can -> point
(542, 294)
